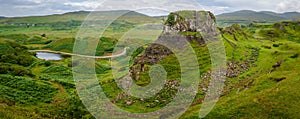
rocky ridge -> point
(180, 24)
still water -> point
(48, 56)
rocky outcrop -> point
(184, 21)
(236, 31)
(282, 26)
(152, 55)
(182, 24)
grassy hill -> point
(259, 16)
(267, 87)
(65, 25)
(246, 17)
(50, 32)
(250, 15)
(77, 16)
(262, 79)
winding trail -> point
(86, 56)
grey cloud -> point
(166, 5)
(17, 2)
(34, 7)
(44, 7)
(289, 5)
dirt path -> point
(86, 56)
(60, 97)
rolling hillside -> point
(66, 25)
(262, 77)
(75, 16)
(246, 17)
(259, 16)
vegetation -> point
(262, 78)
(245, 17)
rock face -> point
(186, 21)
(152, 55)
(182, 24)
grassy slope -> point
(259, 91)
(63, 25)
(63, 101)
(246, 17)
(255, 93)
(59, 29)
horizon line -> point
(62, 13)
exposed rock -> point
(179, 22)
(130, 102)
(277, 64)
(153, 54)
(236, 68)
(278, 79)
(177, 27)
(279, 26)
(235, 30)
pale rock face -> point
(193, 23)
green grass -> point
(262, 91)
(25, 90)
(258, 92)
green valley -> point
(262, 78)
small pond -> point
(48, 56)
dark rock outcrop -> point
(152, 55)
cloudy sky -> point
(12, 8)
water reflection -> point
(48, 56)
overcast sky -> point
(12, 8)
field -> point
(262, 60)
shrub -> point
(48, 63)
(295, 56)
(20, 71)
(55, 69)
(9, 58)
(171, 19)
(25, 60)
(35, 40)
(43, 35)
(17, 37)
(16, 70)
(101, 69)
(15, 54)
(25, 90)
(6, 49)
(276, 45)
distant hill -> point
(1, 17)
(248, 15)
(74, 16)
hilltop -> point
(75, 16)
(261, 67)
(259, 16)
(66, 25)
